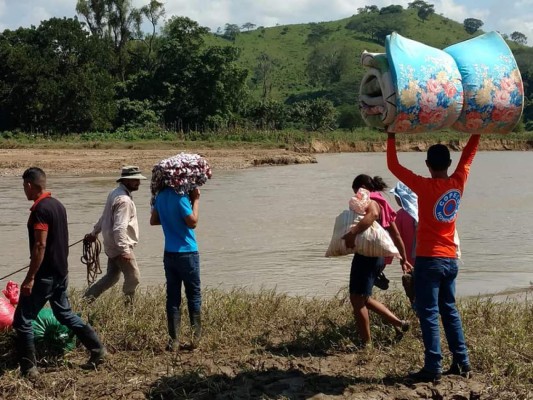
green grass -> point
(238, 138)
(244, 330)
(287, 45)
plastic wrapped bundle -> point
(372, 242)
(377, 98)
(493, 87)
(7, 312)
(473, 86)
(8, 304)
(51, 335)
(12, 292)
(183, 172)
(427, 82)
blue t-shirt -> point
(172, 209)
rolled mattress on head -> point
(429, 94)
(493, 86)
(377, 99)
(473, 87)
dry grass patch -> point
(270, 345)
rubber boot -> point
(174, 323)
(196, 325)
(90, 340)
(27, 359)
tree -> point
(318, 33)
(154, 12)
(349, 117)
(231, 31)
(377, 26)
(194, 83)
(328, 63)
(269, 114)
(53, 78)
(519, 37)
(263, 74)
(418, 4)
(248, 26)
(424, 10)
(368, 9)
(392, 9)
(471, 25)
(117, 21)
(318, 114)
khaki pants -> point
(115, 266)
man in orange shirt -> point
(436, 253)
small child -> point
(360, 202)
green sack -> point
(49, 333)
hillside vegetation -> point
(102, 73)
(290, 46)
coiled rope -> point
(91, 258)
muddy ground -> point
(274, 374)
(104, 161)
(97, 161)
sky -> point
(505, 16)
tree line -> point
(104, 71)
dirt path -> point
(97, 161)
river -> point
(269, 227)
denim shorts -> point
(363, 274)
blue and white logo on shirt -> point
(447, 206)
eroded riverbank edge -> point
(91, 161)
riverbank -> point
(110, 157)
(97, 161)
(271, 346)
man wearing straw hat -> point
(120, 232)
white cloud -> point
(458, 12)
(505, 16)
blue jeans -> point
(435, 293)
(54, 290)
(182, 268)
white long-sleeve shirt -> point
(118, 223)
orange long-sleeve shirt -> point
(438, 201)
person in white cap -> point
(120, 232)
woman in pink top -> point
(364, 269)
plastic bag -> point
(7, 312)
(12, 292)
(373, 242)
(337, 246)
(49, 332)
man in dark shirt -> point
(47, 277)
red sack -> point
(12, 292)
(7, 311)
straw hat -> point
(130, 172)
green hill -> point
(291, 54)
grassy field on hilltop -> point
(289, 46)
